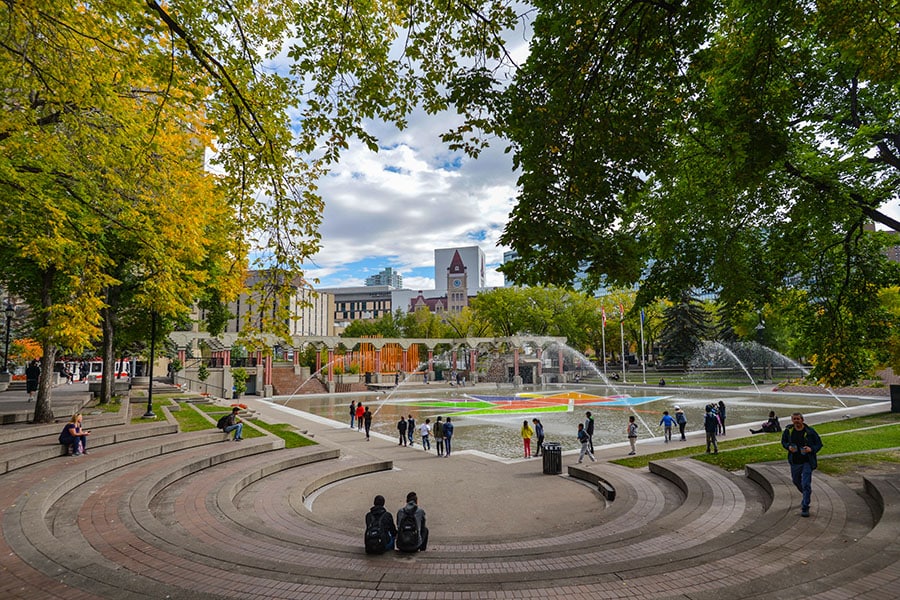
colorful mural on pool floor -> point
(478, 404)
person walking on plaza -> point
(360, 411)
(721, 413)
(410, 428)
(803, 444)
(438, 432)
(425, 431)
(32, 377)
(448, 436)
(711, 425)
(584, 438)
(367, 421)
(681, 419)
(589, 429)
(631, 431)
(401, 427)
(527, 433)
(667, 421)
(539, 434)
(352, 414)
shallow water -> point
(498, 433)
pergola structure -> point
(221, 349)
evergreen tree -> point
(685, 326)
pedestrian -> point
(667, 421)
(412, 534)
(632, 431)
(425, 376)
(32, 377)
(721, 413)
(438, 432)
(411, 428)
(380, 530)
(448, 436)
(711, 425)
(803, 444)
(584, 438)
(360, 411)
(589, 429)
(401, 427)
(424, 431)
(681, 419)
(367, 420)
(539, 434)
(352, 413)
(527, 432)
(396, 378)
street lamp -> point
(10, 313)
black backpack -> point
(376, 537)
(408, 532)
(223, 422)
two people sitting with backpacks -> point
(410, 534)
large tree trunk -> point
(108, 324)
(43, 410)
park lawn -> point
(291, 438)
(860, 434)
(190, 420)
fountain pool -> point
(489, 420)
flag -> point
(603, 315)
(642, 317)
(621, 312)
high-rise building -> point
(387, 277)
(509, 256)
(473, 262)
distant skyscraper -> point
(387, 277)
(472, 258)
(507, 257)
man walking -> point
(711, 425)
(802, 443)
(448, 435)
(589, 429)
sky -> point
(393, 208)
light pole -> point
(10, 313)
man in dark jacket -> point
(711, 425)
(589, 430)
(380, 516)
(802, 443)
(412, 510)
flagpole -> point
(622, 335)
(603, 330)
(643, 355)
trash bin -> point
(552, 458)
(895, 398)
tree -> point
(728, 141)
(685, 326)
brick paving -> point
(194, 519)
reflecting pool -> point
(489, 419)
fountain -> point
(710, 353)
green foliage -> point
(202, 372)
(685, 326)
(239, 376)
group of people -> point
(528, 432)
(441, 430)
(409, 534)
(360, 417)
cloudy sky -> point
(394, 207)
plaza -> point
(182, 515)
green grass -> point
(109, 407)
(190, 420)
(840, 465)
(860, 434)
(291, 438)
(138, 410)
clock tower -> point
(457, 285)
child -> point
(667, 422)
(632, 434)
